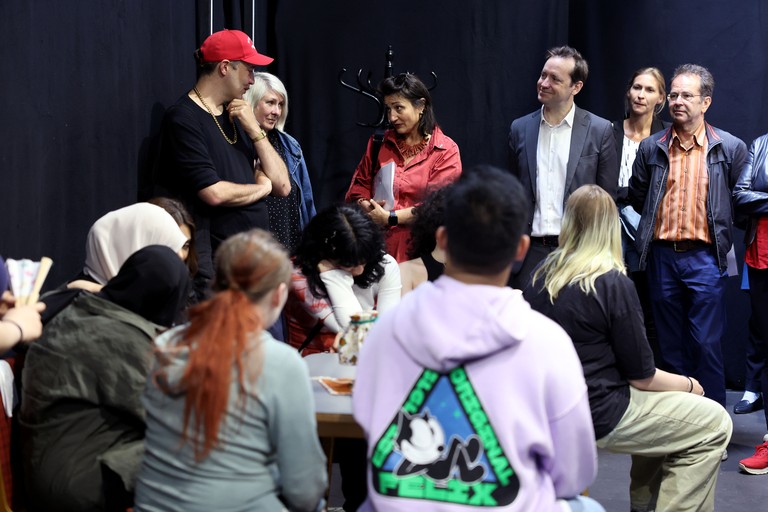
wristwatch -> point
(260, 136)
(393, 220)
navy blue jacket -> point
(726, 157)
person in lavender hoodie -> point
(466, 395)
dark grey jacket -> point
(591, 160)
(750, 197)
(81, 412)
(726, 157)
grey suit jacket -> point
(592, 158)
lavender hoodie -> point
(470, 399)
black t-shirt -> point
(193, 155)
(608, 333)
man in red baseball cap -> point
(213, 154)
(232, 45)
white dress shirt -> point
(552, 151)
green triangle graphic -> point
(445, 410)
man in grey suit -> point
(555, 150)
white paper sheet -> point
(383, 185)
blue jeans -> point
(687, 293)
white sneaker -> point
(724, 456)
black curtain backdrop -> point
(85, 86)
(487, 57)
(86, 83)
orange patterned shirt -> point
(683, 209)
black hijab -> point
(153, 283)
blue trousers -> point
(687, 293)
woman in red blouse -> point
(418, 154)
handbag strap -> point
(311, 335)
(378, 140)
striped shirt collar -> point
(699, 136)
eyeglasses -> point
(685, 96)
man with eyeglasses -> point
(555, 150)
(681, 182)
(213, 154)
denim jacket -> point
(726, 157)
(750, 197)
(297, 168)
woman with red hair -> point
(230, 416)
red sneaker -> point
(758, 463)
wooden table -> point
(334, 412)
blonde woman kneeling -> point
(675, 435)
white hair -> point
(263, 83)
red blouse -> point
(437, 165)
(757, 252)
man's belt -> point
(684, 245)
(546, 241)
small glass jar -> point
(354, 335)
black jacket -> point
(750, 196)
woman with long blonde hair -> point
(676, 436)
(230, 416)
(589, 244)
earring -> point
(421, 114)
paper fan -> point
(27, 278)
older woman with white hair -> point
(287, 215)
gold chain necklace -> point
(231, 141)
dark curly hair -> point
(429, 216)
(346, 236)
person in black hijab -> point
(152, 284)
(81, 416)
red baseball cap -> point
(232, 45)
